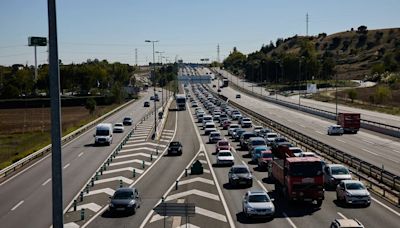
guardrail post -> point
(186, 172)
(87, 188)
(101, 170)
(143, 164)
(151, 157)
(81, 196)
(370, 171)
(383, 167)
(162, 199)
(134, 173)
(83, 214)
(92, 181)
(104, 167)
(120, 184)
(176, 184)
(75, 203)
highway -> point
(373, 148)
(295, 215)
(365, 114)
(26, 196)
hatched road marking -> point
(193, 192)
(130, 169)
(46, 182)
(196, 179)
(91, 206)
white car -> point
(246, 122)
(258, 203)
(353, 192)
(232, 127)
(270, 137)
(194, 104)
(335, 130)
(224, 157)
(257, 129)
(297, 151)
(308, 154)
(118, 128)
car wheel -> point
(251, 184)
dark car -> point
(146, 104)
(238, 96)
(127, 121)
(240, 175)
(125, 200)
(175, 148)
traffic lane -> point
(160, 178)
(234, 196)
(33, 185)
(354, 147)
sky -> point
(186, 29)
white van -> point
(104, 134)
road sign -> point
(37, 41)
(195, 78)
(175, 209)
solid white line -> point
(66, 166)
(18, 204)
(46, 182)
(340, 140)
(301, 125)
(341, 215)
(388, 208)
(289, 220)
(79, 155)
(319, 132)
(396, 151)
(369, 151)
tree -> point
(352, 94)
(362, 29)
(382, 94)
(90, 105)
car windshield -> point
(123, 195)
(271, 136)
(223, 143)
(240, 170)
(118, 125)
(127, 119)
(101, 132)
(258, 142)
(307, 169)
(246, 136)
(224, 154)
(278, 140)
(258, 198)
(174, 144)
(355, 186)
(267, 155)
(339, 170)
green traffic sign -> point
(37, 41)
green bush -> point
(90, 105)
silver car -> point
(353, 192)
(258, 203)
(335, 173)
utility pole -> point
(307, 24)
(136, 59)
(154, 87)
(54, 79)
(218, 53)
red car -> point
(222, 145)
(225, 124)
(265, 159)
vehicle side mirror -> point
(272, 200)
(94, 135)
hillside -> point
(355, 51)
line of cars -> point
(266, 147)
(104, 131)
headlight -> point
(235, 177)
(111, 205)
(348, 194)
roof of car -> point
(125, 189)
(239, 166)
(348, 222)
(335, 165)
(351, 181)
(257, 192)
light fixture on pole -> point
(154, 86)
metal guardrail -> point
(375, 176)
(367, 124)
(22, 162)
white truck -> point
(180, 101)
(104, 134)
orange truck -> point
(350, 122)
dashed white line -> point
(319, 132)
(66, 166)
(368, 151)
(340, 140)
(396, 151)
(18, 204)
(289, 220)
(46, 182)
(301, 125)
(341, 215)
(367, 141)
(79, 155)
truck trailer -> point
(350, 122)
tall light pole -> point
(300, 59)
(162, 90)
(154, 86)
(276, 79)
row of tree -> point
(269, 64)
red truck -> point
(350, 122)
(299, 178)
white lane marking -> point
(193, 192)
(319, 132)
(396, 151)
(340, 140)
(301, 125)
(156, 217)
(71, 225)
(17, 205)
(188, 225)
(66, 166)
(196, 179)
(130, 169)
(136, 149)
(79, 155)
(119, 178)
(46, 182)
(130, 161)
(210, 214)
(289, 220)
(367, 141)
(202, 161)
(341, 215)
(176, 220)
(387, 207)
(91, 206)
(107, 191)
(244, 163)
(368, 151)
(137, 180)
(137, 154)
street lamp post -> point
(300, 59)
(276, 79)
(154, 86)
(162, 90)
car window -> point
(258, 198)
(354, 186)
(240, 170)
(123, 195)
(339, 170)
